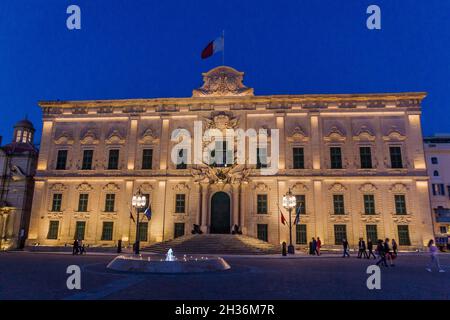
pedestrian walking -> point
(394, 247)
(388, 252)
(346, 248)
(75, 247)
(381, 254)
(362, 248)
(314, 246)
(310, 248)
(370, 248)
(434, 257)
(318, 246)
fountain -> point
(167, 263)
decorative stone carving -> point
(337, 187)
(64, 139)
(222, 81)
(403, 218)
(58, 187)
(111, 187)
(146, 187)
(221, 121)
(89, 138)
(370, 218)
(228, 175)
(339, 218)
(297, 135)
(394, 134)
(84, 187)
(364, 134)
(299, 188)
(148, 137)
(181, 187)
(398, 188)
(115, 137)
(261, 187)
(335, 134)
(368, 187)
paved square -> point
(43, 276)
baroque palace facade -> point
(354, 161)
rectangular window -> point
(443, 229)
(61, 160)
(403, 235)
(221, 156)
(372, 232)
(262, 232)
(369, 204)
(80, 228)
(83, 202)
(107, 231)
(261, 158)
(180, 203)
(300, 204)
(147, 158)
(87, 159)
(53, 230)
(182, 159)
(178, 230)
(338, 204)
(336, 158)
(110, 200)
(438, 189)
(143, 231)
(400, 204)
(113, 160)
(261, 205)
(340, 233)
(298, 158)
(448, 191)
(57, 201)
(434, 160)
(365, 154)
(300, 232)
(396, 157)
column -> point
(235, 205)
(321, 214)
(243, 208)
(198, 220)
(204, 226)
(282, 143)
(45, 146)
(132, 145)
(164, 153)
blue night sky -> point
(151, 48)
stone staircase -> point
(214, 244)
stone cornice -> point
(272, 102)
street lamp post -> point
(289, 202)
(138, 202)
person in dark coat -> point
(310, 247)
(394, 246)
(370, 248)
(346, 248)
(314, 246)
(388, 252)
(76, 247)
(362, 248)
(381, 253)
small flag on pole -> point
(283, 220)
(297, 215)
(213, 47)
(148, 212)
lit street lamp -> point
(289, 202)
(138, 202)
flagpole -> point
(223, 51)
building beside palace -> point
(18, 162)
(437, 151)
(354, 161)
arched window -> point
(436, 173)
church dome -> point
(25, 123)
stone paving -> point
(25, 275)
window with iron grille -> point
(403, 235)
(396, 157)
(261, 204)
(298, 158)
(369, 204)
(300, 232)
(147, 158)
(80, 228)
(87, 159)
(110, 200)
(180, 203)
(372, 232)
(113, 160)
(365, 154)
(83, 202)
(340, 233)
(262, 232)
(338, 204)
(178, 230)
(336, 158)
(61, 160)
(107, 231)
(53, 230)
(143, 231)
(400, 204)
(57, 201)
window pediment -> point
(298, 135)
(111, 187)
(89, 138)
(337, 187)
(335, 135)
(364, 134)
(84, 187)
(115, 138)
(148, 137)
(394, 135)
(64, 139)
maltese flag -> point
(213, 47)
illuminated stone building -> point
(355, 162)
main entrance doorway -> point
(220, 213)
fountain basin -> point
(158, 264)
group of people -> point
(314, 246)
(383, 249)
(78, 247)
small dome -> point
(25, 123)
